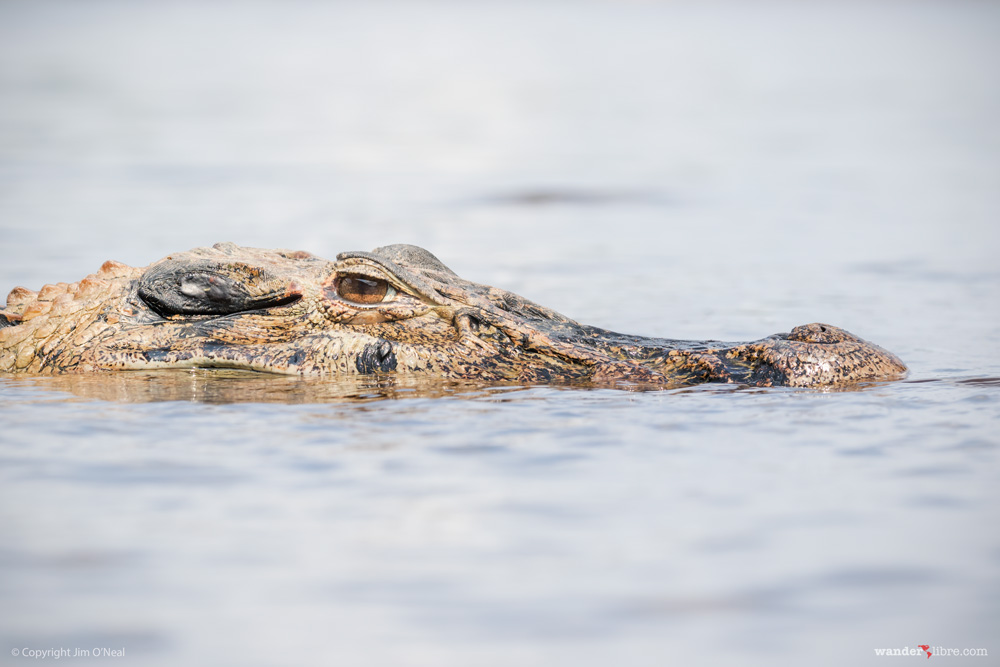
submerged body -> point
(395, 309)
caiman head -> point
(392, 310)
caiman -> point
(396, 309)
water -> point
(690, 171)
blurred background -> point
(774, 136)
(682, 169)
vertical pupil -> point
(361, 290)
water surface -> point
(723, 171)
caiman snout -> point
(814, 354)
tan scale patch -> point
(35, 309)
(113, 269)
(20, 296)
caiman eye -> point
(363, 290)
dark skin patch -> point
(207, 288)
(376, 358)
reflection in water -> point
(223, 386)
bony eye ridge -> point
(363, 290)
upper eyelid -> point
(367, 271)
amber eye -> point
(363, 290)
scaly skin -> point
(293, 313)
